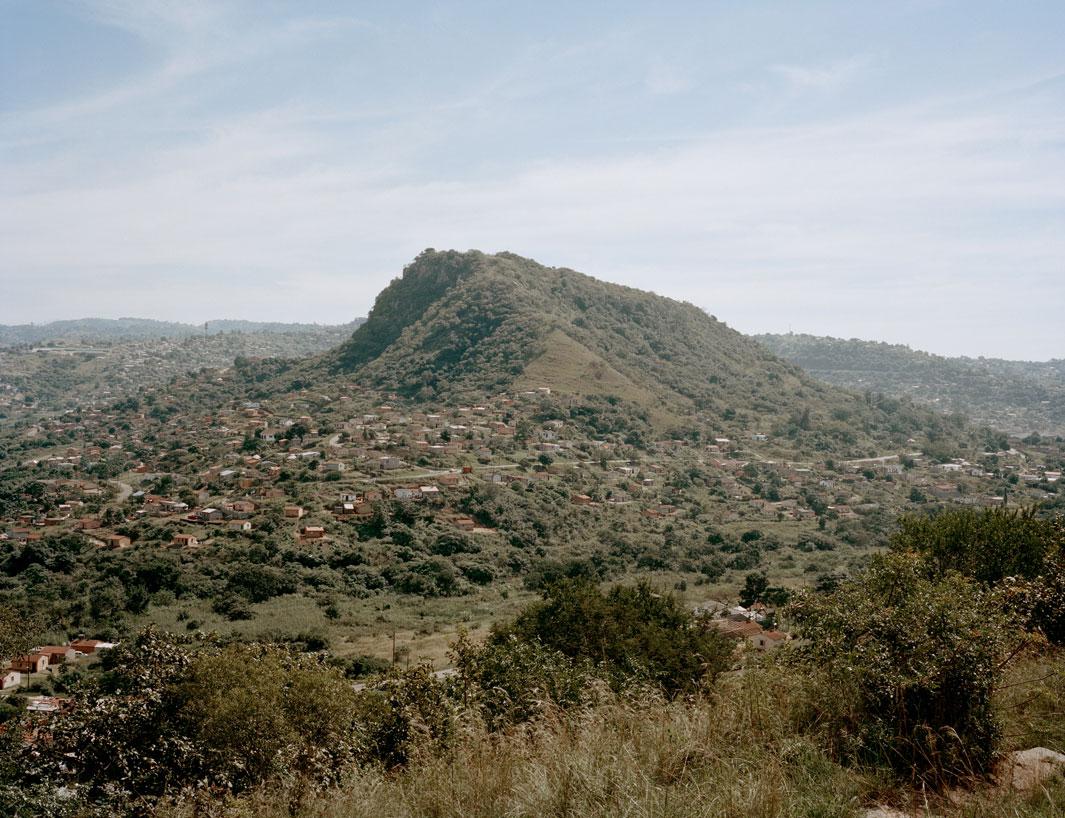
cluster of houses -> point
(47, 657)
(228, 467)
(745, 626)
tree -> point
(167, 718)
(754, 588)
(17, 632)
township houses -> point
(430, 493)
(115, 540)
(90, 646)
(31, 663)
(185, 540)
(312, 532)
(360, 509)
(750, 632)
(163, 505)
(239, 525)
(10, 678)
(57, 654)
(294, 512)
(45, 704)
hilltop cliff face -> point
(457, 325)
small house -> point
(57, 654)
(31, 663)
(116, 541)
(90, 646)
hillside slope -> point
(1016, 396)
(456, 326)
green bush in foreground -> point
(903, 668)
(1015, 550)
(629, 632)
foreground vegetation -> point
(909, 682)
(738, 753)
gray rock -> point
(1025, 770)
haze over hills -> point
(1016, 396)
(76, 362)
(131, 329)
(457, 325)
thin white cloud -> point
(824, 77)
(192, 40)
(899, 221)
(811, 220)
(667, 79)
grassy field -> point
(423, 628)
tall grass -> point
(740, 752)
(735, 754)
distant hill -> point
(1016, 396)
(65, 371)
(458, 325)
(138, 329)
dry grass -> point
(737, 754)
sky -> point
(888, 171)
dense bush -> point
(988, 545)
(903, 667)
(1019, 552)
(510, 680)
(171, 716)
(629, 632)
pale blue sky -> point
(893, 171)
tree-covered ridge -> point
(1017, 396)
(460, 325)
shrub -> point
(213, 719)
(904, 667)
(510, 680)
(988, 545)
(629, 631)
(1015, 549)
(405, 715)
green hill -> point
(456, 326)
(1017, 396)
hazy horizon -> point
(892, 172)
(219, 319)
